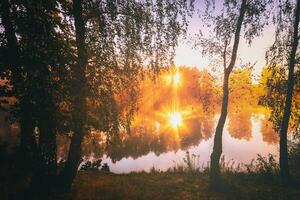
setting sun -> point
(176, 78)
(173, 79)
(175, 119)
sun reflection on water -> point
(175, 119)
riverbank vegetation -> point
(258, 179)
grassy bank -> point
(92, 185)
(257, 180)
(168, 185)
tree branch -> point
(224, 56)
(237, 36)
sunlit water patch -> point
(241, 149)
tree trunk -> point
(39, 77)
(46, 161)
(217, 149)
(79, 111)
(28, 144)
(284, 168)
(47, 144)
(44, 177)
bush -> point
(264, 166)
(93, 166)
(294, 155)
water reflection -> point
(239, 124)
(267, 131)
(145, 138)
(145, 150)
(178, 112)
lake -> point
(177, 114)
(245, 135)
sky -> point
(186, 55)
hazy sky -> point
(185, 55)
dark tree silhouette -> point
(284, 168)
(115, 43)
(36, 62)
(217, 149)
(79, 109)
(235, 16)
(283, 55)
(12, 59)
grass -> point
(257, 180)
(186, 180)
(172, 185)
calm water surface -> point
(177, 114)
(242, 143)
(153, 144)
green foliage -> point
(274, 84)
(241, 87)
(282, 18)
(275, 75)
